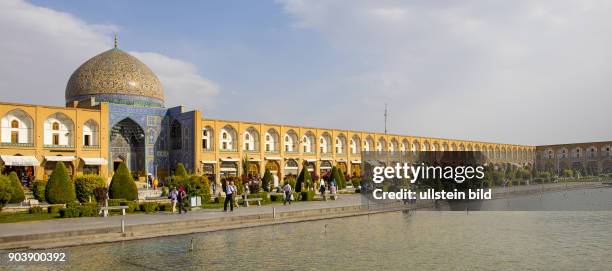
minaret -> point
(116, 41)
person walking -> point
(287, 189)
(173, 196)
(182, 197)
(322, 188)
(229, 193)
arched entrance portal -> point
(273, 167)
(253, 168)
(342, 166)
(127, 145)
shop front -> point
(22, 165)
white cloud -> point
(41, 47)
(532, 72)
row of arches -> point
(577, 152)
(251, 141)
(17, 128)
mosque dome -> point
(117, 77)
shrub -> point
(304, 180)
(132, 206)
(88, 209)
(356, 182)
(38, 189)
(165, 207)
(35, 210)
(335, 175)
(164, 192)
(122, 185)
(54, 209)
(267, 180)
(148, 207)
(263, 195)
(17, 195)
(5, 191)
(115, 202)
(60, 189)
(568, 173)
(180, 171)
(69, 212)
(85, 185)
(342, 183)
(307, 196)
(277, 197)
(101, 194)
(292, 181)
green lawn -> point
(22, 217)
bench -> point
(246, 201)
(329, 196)
(105, 210)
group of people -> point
(152, 182)
(178, 196)
(333, 189)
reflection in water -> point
(425, 240)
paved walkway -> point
(86, 223)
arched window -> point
(58, 130)
(16, 127)
(90, 133)
(207, 134)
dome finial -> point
(116, 41)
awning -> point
(342, 160)
(208, 162)
(94, 161)
(326, 159)
(229, 159)
(325, 167)
(310, 160)
(291, 167)
(228, 169)
(273, 158)
(20, 161)
(57, 158)
(254, 160)
(356, 162)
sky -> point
(521, 72)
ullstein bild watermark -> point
(422, 172)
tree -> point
(17, 195)
(5, 190)
(85, 185)
(303, 179)
(180, 171)
(267, 180)
(342, 182)
(335, 176)
(60, 188)
(122, 185)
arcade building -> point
(115, 113)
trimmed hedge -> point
(307, 196)
(85, 185)
(35, 210)
(60, 188)
(17, 195)
(54, 209)
(38, 189)
(277, 197)
(122, 185)
(180, 171)
(88, 209)
(132, 206)
(115, 202)
(165, 207)
(148, 207)
(263, 195)
(304, 181)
